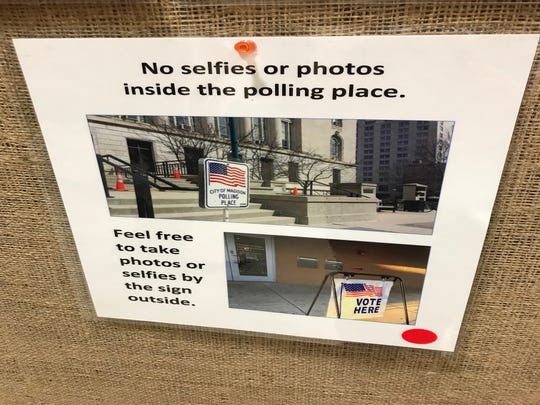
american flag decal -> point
(227, 175)
(361, 290)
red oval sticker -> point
(419, 336)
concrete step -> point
(169, 197)
(266, 220)
(269, 220)
(120, 202)
(185, 205)
(339, 219)
(182, 182)
(217, 215)
(160, 208)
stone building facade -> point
(391, 153)
(321, 151)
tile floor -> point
(296, 299)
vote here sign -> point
(362, 299)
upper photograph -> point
(372, 175)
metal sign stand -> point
(351, 274)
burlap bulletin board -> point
(54, 350)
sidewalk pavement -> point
(400, 222)
(386, 221)
(296, 299)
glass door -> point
(250, 257)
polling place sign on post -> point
(224, 184)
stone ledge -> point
(320, 210)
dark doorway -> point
(141, 154)
(336, 176)
(267, 171)
(192, 159)
(293, 171)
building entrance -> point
(192, 156)
(141, 154)
(250, 257)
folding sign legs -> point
(349, 274)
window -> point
(336, 147)
(181, 122)
(135, 118)
(422, 125)
(258, 131)
(421, 147)
(386, 128)
(201, 125)
(223, 129)
(286, 134)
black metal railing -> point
(331, 188)
(166, 168)
(142, 181)
(127, 169)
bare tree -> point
(428, 170)
(310, 169)
(254, 153)
(177, 141)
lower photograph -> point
(368, 281)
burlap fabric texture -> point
(55, 351)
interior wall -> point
(54, 350)
(395, 260)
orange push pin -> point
(245, 47)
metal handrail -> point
(166, 168)
(127, 168)
(349, 193)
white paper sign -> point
(331, 128)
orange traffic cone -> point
(294, 191)
(120, 186)
(176, 174)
